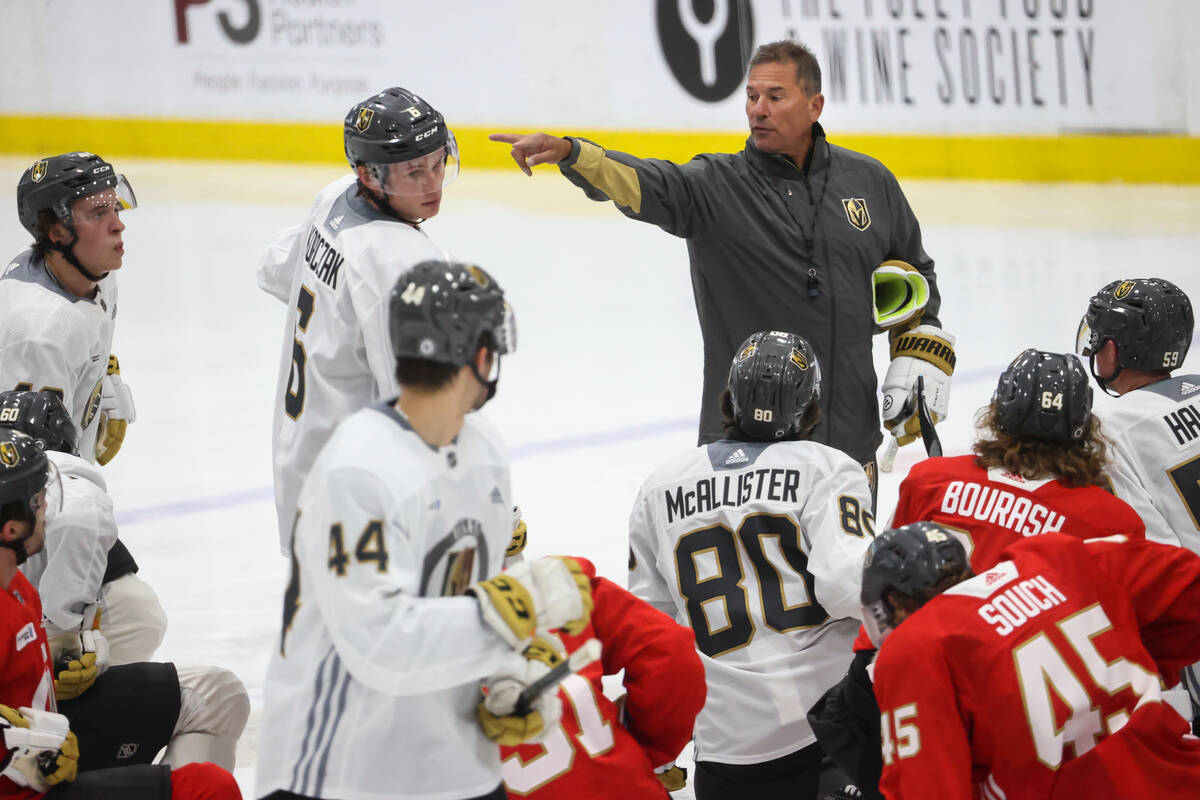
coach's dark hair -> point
(731, 430)
(1078, 464)
(808, 71)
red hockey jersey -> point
(592, 754)
(26, 677)
(1039, 678)
(988, 510)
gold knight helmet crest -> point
(9, 456)
(1122, 291)
(365, 115)
(38, 171)
(857, 213)
(798, 358)
(478, 275)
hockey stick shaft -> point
(588, 652)
(933, 445)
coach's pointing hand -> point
(534, 148)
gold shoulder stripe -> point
(618, 181)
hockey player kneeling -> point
(603, 749)
(383, 651)
(1039, 678)
(40, 751)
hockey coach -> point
(784, 235)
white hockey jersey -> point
(372, 688)
(69, 571)
(336, 273)
(1156, 457)
(52, 340)
(759, 548)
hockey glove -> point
(498, 714)
(673, 777)
(924, 351)
(39, 749)
(79, 658)
(531, 596)
(520, 536)
(116, 412)
(900, 295)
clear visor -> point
(506, 334)
(422, 175)
(1085, 339)
(115, 196)
(48, 502)
(875, 620)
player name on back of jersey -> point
(1019, 604)
(731, 490)
(321, 257)
(1001, 507)
(1184, 423)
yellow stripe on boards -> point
(1091, 158)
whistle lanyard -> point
(809, 239)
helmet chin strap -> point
(68, 252)
(382, 204)
(491, 385)
(1104, 381)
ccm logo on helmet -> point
(427, 133)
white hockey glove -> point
(532, 596)
(79, 657)
(924, 351)
(116, 412)
(39, 749)
(498, 715)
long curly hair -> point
(1082, 463)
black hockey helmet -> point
(918, 561)
(42, 416)
(395, 126)
(1149, 319)
(28, 484)
(773, 380)
(53, 184)
(441, 310)
(1044, 396)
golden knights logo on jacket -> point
(856, 212)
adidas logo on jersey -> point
(737, 457)
(336, 222)
(1186, 388)
(496, 496)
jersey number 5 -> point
(293, 400)
(722, 586)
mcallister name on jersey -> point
(732, 490)
(1018, 604)
(1000, 507)
(322, 259)
(1184, 422)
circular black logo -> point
(706, 44)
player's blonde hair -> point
(1081, 463)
